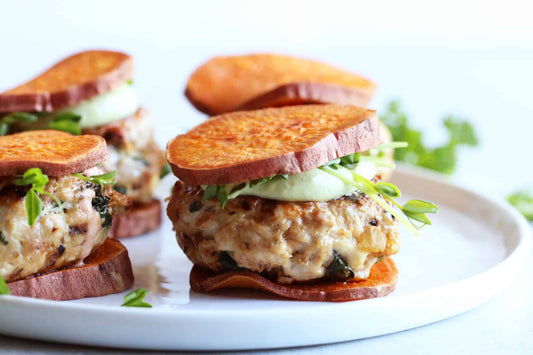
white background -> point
(473, 58)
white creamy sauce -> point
(113, 105)
(311, 185)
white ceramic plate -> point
(475, 245)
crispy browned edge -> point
(303, 93)
(381, 282)
(139, 219)
(107, 270)
(52, 101)
(354, 139)
(80, 163)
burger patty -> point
(56, 240)
(133, 154)
(285, 241)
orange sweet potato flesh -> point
(107, 270)
(56, 153)
(381, 282)
(226, 84)
(74, 79)
(246, 145)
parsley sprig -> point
(62, 121)
(523, 201)
(103, 179)
(66, 122)
(442, 158)
(33, 202)
(383, 193)
(136, 299)
(4, 290)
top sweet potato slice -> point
(226, 84)
(74, 79)
(56, 153)
(248, 145)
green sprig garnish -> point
(103, 179)
(383, 193)
(165, 170)
(4, 290)
(15, 117)
(523, 201)
(442, 158)
(33, 202)
(66, 122)
(223, 195)
(136, 299)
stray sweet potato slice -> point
(380, 282)
(56, 153)
(139, 219)
(107, 270)
(74, 79)
(248, 145)
(226, 84)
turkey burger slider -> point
(91, 92)
(56, 209)
(282, 199)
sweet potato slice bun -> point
(381, 282)
(107, 270)
(138, 220)
(226, 84)
(248, 145)
(56, 153)
(72, 80)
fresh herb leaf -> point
(350, 159)
(228, 263)
(34, 206)
(387, 189)
(136, 299)
(382, 194)
(4, 290)
(523, 202)
(33, 202)
(210, 192)
(129, 82)
(165, 170)
(103, 179)
(222, 195)
(15, 117)
(66, 122)
(442, 158)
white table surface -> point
(451, 59)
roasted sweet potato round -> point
(381, 282)
(225, 84)
(56, 153)
(74, 79)
(248, 145)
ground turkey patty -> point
(133, 154)
(286, 241)
(54, 241)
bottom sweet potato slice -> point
(107, 270)
(381, 282)
(139, 219)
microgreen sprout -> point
(136, 299)
(103, 179)
(33, 202)
(4, 290)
